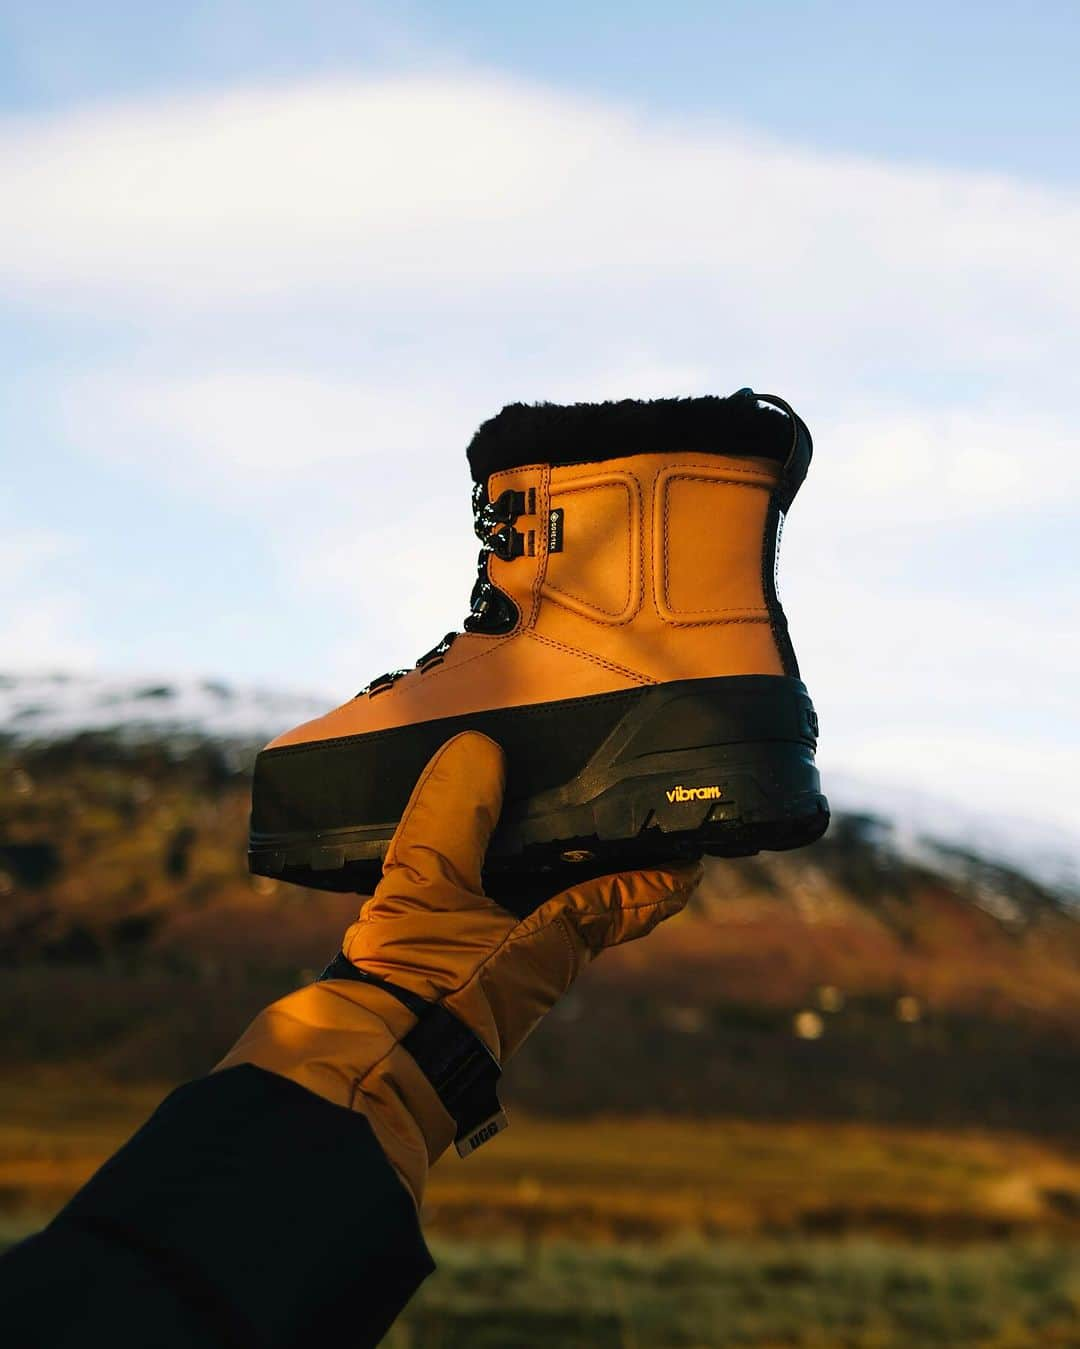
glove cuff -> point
(462, 1070)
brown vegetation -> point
(755, 1175)
(840, 982)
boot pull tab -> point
(799, 456)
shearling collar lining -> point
(550, 433)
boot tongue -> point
(551, 433)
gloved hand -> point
(430, 931)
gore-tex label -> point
(555, 528)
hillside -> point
(864, 978)
(176, 716)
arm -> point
(277, 1199)
(246, 1211)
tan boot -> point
(626, 647)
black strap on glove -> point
(456, 1062)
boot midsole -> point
(740, 746)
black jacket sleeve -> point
(246, 1213)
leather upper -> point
(661, 575)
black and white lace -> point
(489, 609)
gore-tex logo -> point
(555, 530)
(694, 794)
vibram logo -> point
(694, 794)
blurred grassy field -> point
(894, 1049)
(623, 1179)
(820, 1294)
(648, 1233)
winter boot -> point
(626, 647)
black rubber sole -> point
(723, 767)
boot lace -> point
(489, 608)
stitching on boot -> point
(444, 668)
(631, 613)
(741, 614)
(763, 617)
(543, 498)
(594, 660)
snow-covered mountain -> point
(950, 837)
(925, 828)
(36, 708)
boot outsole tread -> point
(355, 863)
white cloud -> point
(403, 577)
(1030, 779)
(39, 633)
(488, 241)
(916, 657)
(411, 185)
(263, 429)
(23, 551)
(941, 465)
(589, 252)
(257, 430)
(40, 622)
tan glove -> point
(430, 930)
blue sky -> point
(990, 85)
(264, 267)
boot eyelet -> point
(507, 544)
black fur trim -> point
(549, 433)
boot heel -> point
(719, 766)
(732, 800)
